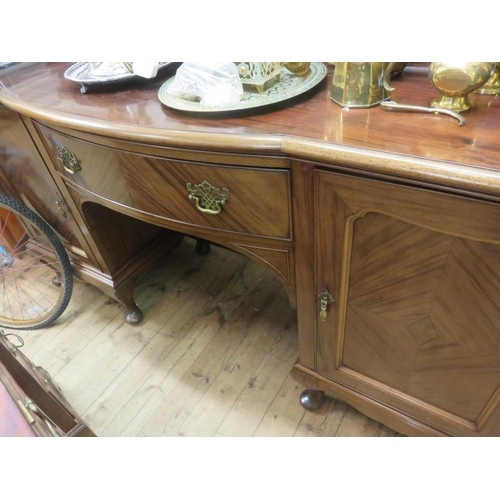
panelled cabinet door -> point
(415, 278)
(25, 171)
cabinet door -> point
(415, 275)
(27, 176)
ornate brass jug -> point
(455, 81)
(492, 86)
(361, 84)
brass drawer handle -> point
(26, 413)
(33, 408)
(46, 375)
(208, 198)
(14, 347)
(325, 299)
(69, 160)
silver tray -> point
(81, 73)
(288, 86)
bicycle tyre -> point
(42, 248)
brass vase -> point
(492, 86)
(455, 81)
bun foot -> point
(202, 246)
(134, 317)
(312, 400)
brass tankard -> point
(361, 84)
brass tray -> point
(288, 86)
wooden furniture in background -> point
(128, 243)
(395, 215)
(11, 229)
(31, 404)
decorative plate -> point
(87, 75)
(288, 86)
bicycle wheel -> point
(36, 277)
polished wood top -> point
(310, 126)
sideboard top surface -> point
(134, 112)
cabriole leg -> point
(125, 295)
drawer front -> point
(24, 176)
(252, 201)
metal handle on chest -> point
(69, 160)
(31, 407)
(208, 199)
(14, 347)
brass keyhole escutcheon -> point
(60, 205)
(208, 199)
(325, 299)
(69, 160)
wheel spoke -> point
(19, 300)
(23, 292)
(4, 227)
(37, 246)
(29, 298)
(18, 238)
(24, 287)
(6, 296)
(33, 286)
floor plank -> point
(261, 388)
(284, 415)
(212, 357)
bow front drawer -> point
(245, 200)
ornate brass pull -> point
(325, 299)
(60, 203)
(208, 198)
(69, 160)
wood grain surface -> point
(258, 204)
(307, 124)
(415, 276)
(395, 213)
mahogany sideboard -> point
(395, 215)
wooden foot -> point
(202, 246)
(312, 400)
(134, 317)
(125, 295)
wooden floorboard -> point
(212, 357)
